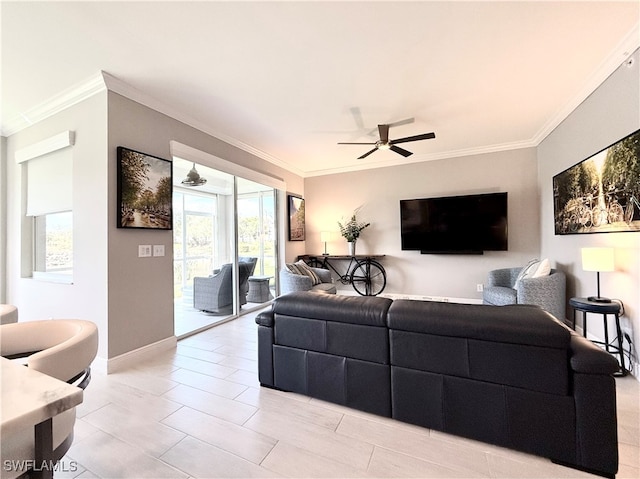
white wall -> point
(333, 197)
(86, 298)
(129, 298)
(609, 114)
(3, 214)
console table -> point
(595, 307)
(364, 272)
(31, 399)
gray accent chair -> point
(290, 282)
(548, 292)
(246, 266)
(214, 294)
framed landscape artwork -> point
(144, 191)
(295, 213)
(601, 194)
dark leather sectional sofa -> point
(507, 375)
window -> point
(194, 226)
(256, 229)
(48, 167)
(53, 246)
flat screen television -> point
(469, 224)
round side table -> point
(594, 307)
(259, 291)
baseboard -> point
(132, 358)
(440, 299)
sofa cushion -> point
(485, 343)
(499, 295)
(517, 324)
(345, 309)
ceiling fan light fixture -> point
(193, 178)
(384, 143)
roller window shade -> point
(49, 183)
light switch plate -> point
(158, 250)
(144, 250)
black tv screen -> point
(467, 224)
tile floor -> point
(200, 412)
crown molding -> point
(427, 157)
(63, 100)
(102, 81)
(122, 88)
(620, 54)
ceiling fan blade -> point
(400, 151)
(406, 121)
(384, 133)
(357, 116)
(424, 136)
(367, 153)
(370, 143)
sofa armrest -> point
(265, 318)
(548, 292)
(587, 358)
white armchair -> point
(61, 348)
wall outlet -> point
(479, 287)
(158, 250)
(144, 250)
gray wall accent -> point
(609, 114)
(141, 289)
(379, 191)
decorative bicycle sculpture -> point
(364, 273)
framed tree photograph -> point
(295, 213)
(601, 194)
(144, 191)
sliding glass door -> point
(224, 247)
(256, 226)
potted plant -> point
(351, 230)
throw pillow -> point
(300, 267)
(533, 269)
(528, 270)
(543, 269)
(303, 267)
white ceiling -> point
(286, 78)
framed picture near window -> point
(601, 194)
(295, 213)
(144, 191)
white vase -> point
(352, 248)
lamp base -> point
(599, 299)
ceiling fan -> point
(385, 144)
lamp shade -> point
(325, 236)
(597, 259)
